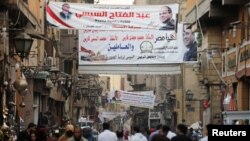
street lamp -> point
(189, 95)
(22, 43)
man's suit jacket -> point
(169, 25)
(191, 54)
(65, 16)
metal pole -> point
(2, 70)
(4, 51)
(73, 91)
(183, 91)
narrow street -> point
(124, 70)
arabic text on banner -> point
(140, 99)
(130, 47)
(107, 17)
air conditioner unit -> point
(70, 31)
(75, 32)
(49, 61)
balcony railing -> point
(229, 58)
(22, 5)
(200, 9)
(236, 60)
(211, 9)
(235, 2)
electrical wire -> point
(197, 19)
(217, 71)
(19, 13)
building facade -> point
(46, 96)
(224, 28)
(19, 18)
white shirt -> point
(107, 135)
(81, 119)
(138, 137)
(204, 139)
(170, 135)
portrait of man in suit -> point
(191, 44)
(117, 96)
(65, 13)
(166, 17)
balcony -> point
(236, 61)
(208, 9)
(22, 5)
(10, 2)
(229, 62)
(198, 11)
(138, 87)
(234, 2)
(243, 64)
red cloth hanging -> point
(232, 103)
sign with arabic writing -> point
(112, 17)
(129, 47)
(144, 99)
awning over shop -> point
(23, 7)
(38, 36)
(41, 75)
(233, 2)
(110, 115)
(153, 69)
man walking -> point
(138, 136)
(77, 135)
(25, 134)
(107, 135)
(158, 127)
(181, 132)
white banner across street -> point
(129, 47)
(109, 17)
(144, 99)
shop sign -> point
(154, 115)
(245, 54)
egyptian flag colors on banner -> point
(57, 21)
(90, 52)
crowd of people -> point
(75, 133)
(69, 133)
(162, 133)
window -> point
(68, 65)
(178, 104)
(25, 1)
(49, 48)
(89, 1)
(190, 109)
(108, 83)
(154, 123)
(235, 93)
(122, 84)
(35, 98)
